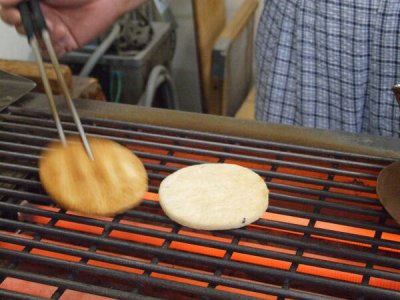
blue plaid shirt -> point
(329, 64)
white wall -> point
(185, 71)
(12, 45)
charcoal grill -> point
(324, 235)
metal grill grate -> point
(324, 234)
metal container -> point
(129, 71)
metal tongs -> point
(36, 30)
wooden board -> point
(233, 58)
(30, 70)
(241, 18)
(87, 88)
(247, 110)
(209, 18)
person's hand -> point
(72, 23)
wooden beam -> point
(232, 59)
(242, 16)
(29, 69)
(209, 18)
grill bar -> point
(272, 185)
(324, 234)
(44, 140)
(147, 267)
(90, 239)
(149, 217)
(214, 244)
(228, 247)
(38, 117)
(95, 290)
(22, 124)
(18, 296)
(210, 153)
(259, 271)
(337, 220)
(106, 131)
(12, 147)
(377, 213)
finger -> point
(10, 15)
(20, 29)
(59, 50)
(9, 2)
(61, 42)
(60, 36)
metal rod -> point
(147, 266)
(331, 250)
(227, 155)
(91, 269)
(232, 141)
(36, 51)
(173, 159)
(199, 241)
(211, 243)
(67, 94)
(54, 281)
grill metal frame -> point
(315, 193)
